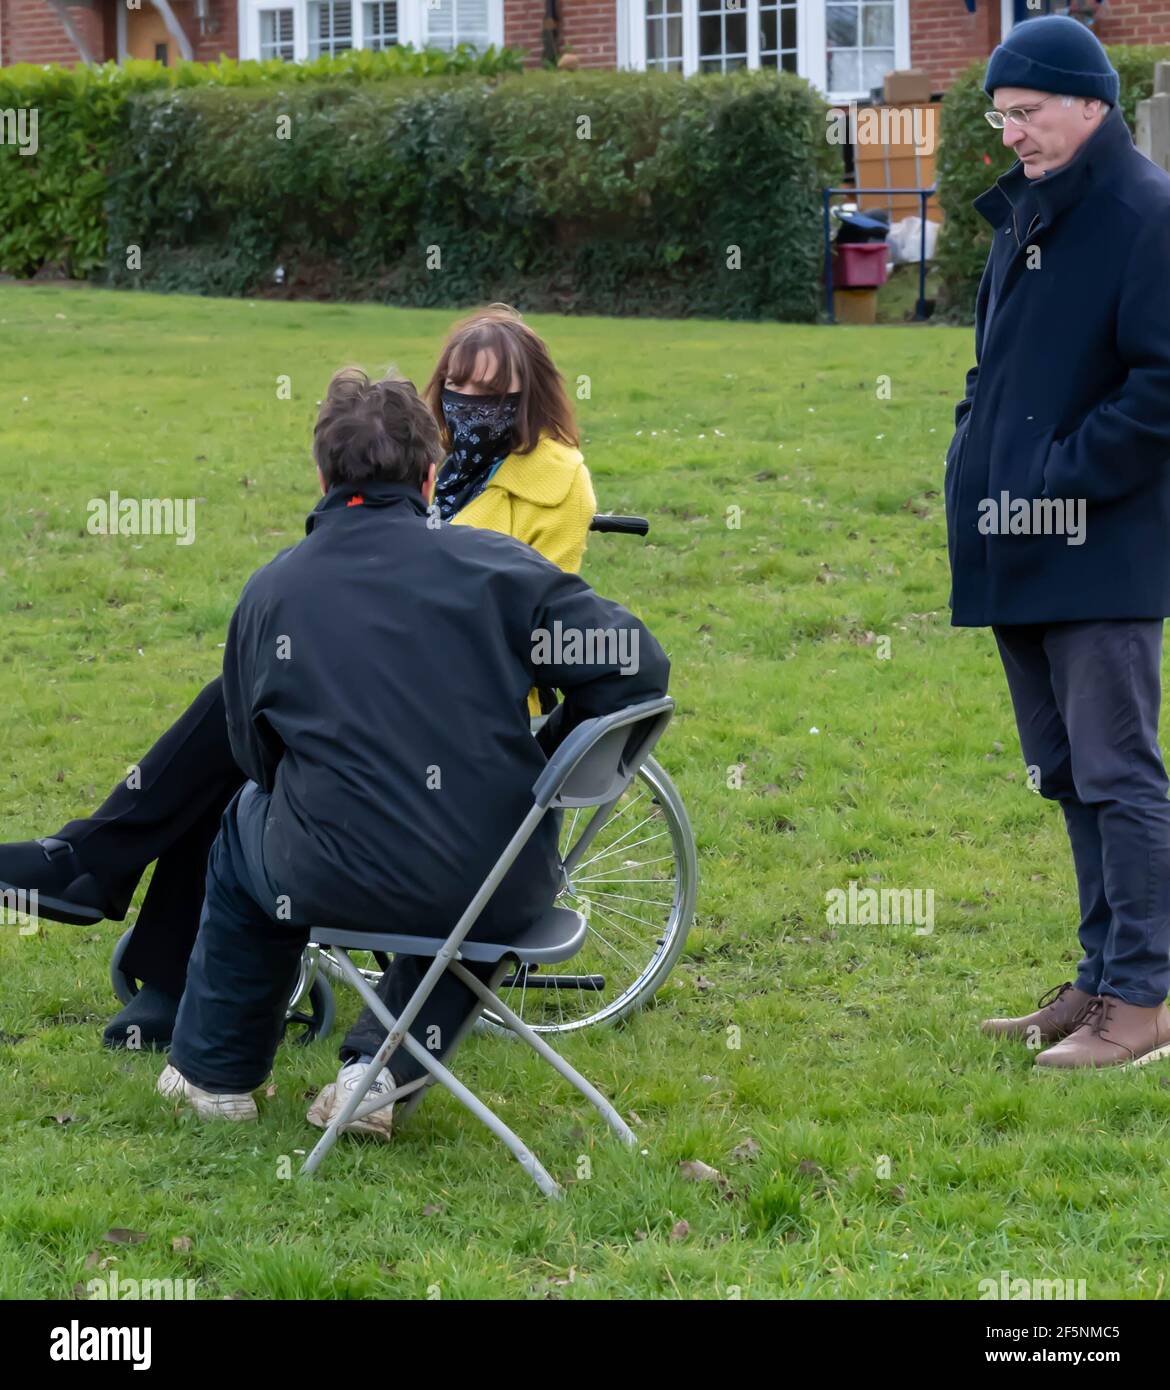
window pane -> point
(710, 34)
(788, 27)
(330, 27)
(735, 32)
(843, 72)
(452, 22)
(381, 23)
(875, 64)
(664, 39)
(877, 26)
(276, 34)
(778, 34)
(653, 7)
(840, 25)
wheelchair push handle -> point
(623, 525)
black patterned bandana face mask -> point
(481, 429)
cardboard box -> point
(910, 87)
(898, 165)
(855, 306)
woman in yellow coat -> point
(514, 464)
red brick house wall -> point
(1134, 21)
(524, 27)
(225, 40)
(589, 29)
(30, 31)
(944, 38)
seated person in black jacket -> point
(376, 679)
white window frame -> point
(412, 25)
(337, 7)
(269, 7)
(811, 58)
(361, 10)
(495, 16)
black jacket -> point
(1070, 395)
(376, 678)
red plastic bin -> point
(860, 264)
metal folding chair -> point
(592, 767)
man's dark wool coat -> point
(1070, 395)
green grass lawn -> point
(896, 1152)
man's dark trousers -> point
(245, 964)
(1086, 698)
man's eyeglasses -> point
(1018, 115)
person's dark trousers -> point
(169, 811)
(1086, 698)
(245, 964)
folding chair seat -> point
(592, 767)
(559, 934)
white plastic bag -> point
(905, 240)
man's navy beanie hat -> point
(1053, 54)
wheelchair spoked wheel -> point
(635, 884)
(311, 1017)
(311, 1009)
(125, 986)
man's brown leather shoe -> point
(1058, 1012)
(1113, 1034)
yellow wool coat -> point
(545, 499)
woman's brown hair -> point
(543, 407)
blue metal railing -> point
(923, 195)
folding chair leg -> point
(535, 1041)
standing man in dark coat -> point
(1058, 514)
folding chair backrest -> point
(599, 758)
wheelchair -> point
(633, 875)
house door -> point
(147, 36)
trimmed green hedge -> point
(971, 156)
(51, 204)
(491, 180)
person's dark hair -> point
(543, 407)
(374, 431)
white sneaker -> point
(208, 1105)
(335, 1096)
